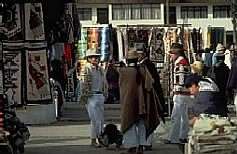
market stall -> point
(213, 135)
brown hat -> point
(132, 54)
(176, 48)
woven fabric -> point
(34, 23)
(12, 62)
(157, 44)
(37, 78)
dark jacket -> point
(220, 74)
(232, 80)
(157, 85)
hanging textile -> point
(34, 23)
(57, 51)
(157, 53)
(82, 44)
(120, 45)
(1, 70)
(93, 35)
(132, 37)
(217, 36)
(68, 53)
(69, 22)
(37, 77)
(104, 43)
(12, 62)
(11, 22)
(170, 37)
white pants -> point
(179, 118)
(135, 136)
(149, 140)
(95, 109)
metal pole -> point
(234, 21)
(167, 12)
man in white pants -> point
(93, 90)
(179, 118)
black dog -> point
(111, 135)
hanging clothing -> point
(228, 58)
(120, 45)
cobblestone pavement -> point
(72, 138)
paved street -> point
(72, 138)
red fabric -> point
(68, 52)
(183, 62)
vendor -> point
(205, 91)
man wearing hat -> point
(132, 124)
(179, 118)
(145, 62)
(139, 112)
(220, 73)
(93, 89)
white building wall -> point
(137, 22)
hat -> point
(197, 67)
(233, 47)
(220, 47)
(220, 50)
(191, 79)
(132, 54)
(176, 48)
(92, 52)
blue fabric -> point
(208, 59)
(205, 102)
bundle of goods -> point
(212, 134)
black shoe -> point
(148, 148)
(183, 141)
(169, 142)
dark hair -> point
(192, 80)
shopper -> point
(93, 91)
(205, 93)
(145, 62)
(220, 73)
(140, 117)
(179, 118)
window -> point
(221, 11)
(136, 12)
(85, 13)
(194, 12)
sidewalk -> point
(72, 138)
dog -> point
(111, 135)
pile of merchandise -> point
(213, 135)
